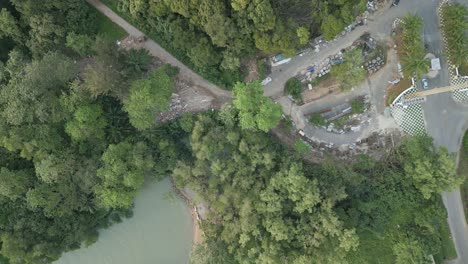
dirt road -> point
(162, 54)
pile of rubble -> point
(176, 108)
(375, 145)
(374, 65)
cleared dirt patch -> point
(326, 87)
(252, 73)
(394, 90)
(187, 98)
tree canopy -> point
(255, 110)
(271, 207)
(413, 57)
(351, 72)
(148, 97)
(215, 36)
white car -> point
(425, 84)
(266, 81)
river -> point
(160, 232)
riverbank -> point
(160, 231)
(188, 197)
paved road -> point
(162, 54)
(446, 123)
(379, 25)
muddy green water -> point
(160, 232)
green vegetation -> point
(395, 90)
(70, 160)
(372, 248)
(462, 172)
(255, 110)
(293, 87)
(448, 251)
(357, 106)
(412, 57)
(107, 28)
(262, 69)
(351, 72)
(455, 25)
(317, 119)
(77, 142)
(213, 37)
(301, 147)
(379, 200)
(148, 97)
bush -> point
(413, 53)
(262, 69)
(293, 87)
(455, 26)
(301, 147)
(317, 119)
(465, 143)
(357, 106)
(350, 73)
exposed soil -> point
(394, 90)
(188, 98)
(326, 87)
(252, 73)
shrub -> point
(357, 106)
(317, 119)
(293, 87)
(301, 147)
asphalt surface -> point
(379, 25)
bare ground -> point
(252, 70)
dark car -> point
(395, 2)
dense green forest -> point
(78, 138)
(215, 36)
(267, 206)
(75, 140)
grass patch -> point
(395, 90)
(372, 249)
(357, 106)
(301, 147)
(317, 119)
(262, 69)
(107, 28)
(341, 121)
(463, 69)
(320, 79)
(462, 171)
(448, 248)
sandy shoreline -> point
(197, 233)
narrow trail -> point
(157, 51)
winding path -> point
(161, 53)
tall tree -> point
(124, 168)
(255, 110)
(88, 123)
(148, 97)
(351, 72)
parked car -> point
(395, 2)
(425, 83)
